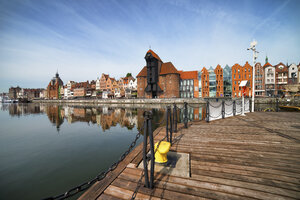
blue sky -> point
(83, 39)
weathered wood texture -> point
(252, 157)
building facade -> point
(259, 80)
(219, 81)
(292, 76)
(270, 81)
(53, 89)
(205, 82)
(157, 79)
(189, 84)
(227, 81)
(236, 77)
(281, 78)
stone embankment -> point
(160, 101)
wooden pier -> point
(251, 157)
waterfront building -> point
(104, 78)
(212, 82)
(53, 89)
(189, 84)
(270, 81)
(205, 82)
(259, 80)
(227, 81)
(98, 84)
(281, 78)
(219, 81)
(81, 89)
(157, 79)
(236, 77)
(292, 74)
(247, 75)
(13, 92)
(200, 84)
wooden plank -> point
(125, 194)
(107, 197)
(214, 185)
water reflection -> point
(104, 116)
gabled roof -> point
(154, 54)
(143, 72)
(267, 65)
(247, 64)
(188, 74)
(168, 68)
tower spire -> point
(267, 60)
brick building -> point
(247, 75)
(157, 79)
(237, 71)
(219, 81)
(205, 82)
(53, 89)
(259, 80)
(13, 92)
(241, 73)
(189, 84)
(281, 77)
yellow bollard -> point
(161, 152)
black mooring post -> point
(167, 123)
(277, 104)
(150, 133)
(171, 124)
(175, 118)
(234, 107)
(223, 109)
(185, 115)
(250, 105)
(207, 112)
(145, 150)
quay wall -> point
(160, 101)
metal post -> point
(151, 148)
(185, 115)
(223, 109)
(207, 111)
(167, 123)
(175, 118)
(234, 108)
(243, 105)
(277, 104)
(171, 124)
(250, 105)
(145, 150)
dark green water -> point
(46, 149)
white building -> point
(293, 70)
(98, 84)
(69, 89)
(269, 79)
(133, 84)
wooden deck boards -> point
(252, 157)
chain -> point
(215, 106)
(99, 177)
(193, 106)
(179, 107)
(137, 187)
(163, 121)
(216, 116)
(228, 113)
(228, 104)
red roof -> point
(267, 64)
(154, 54)
(188, 74)
(143, 72)
(168, 68)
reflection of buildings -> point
(54, 115)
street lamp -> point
(253, 48)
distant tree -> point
(128, 75)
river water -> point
(46, 149)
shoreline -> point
(160, 101)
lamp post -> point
(253, 48)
